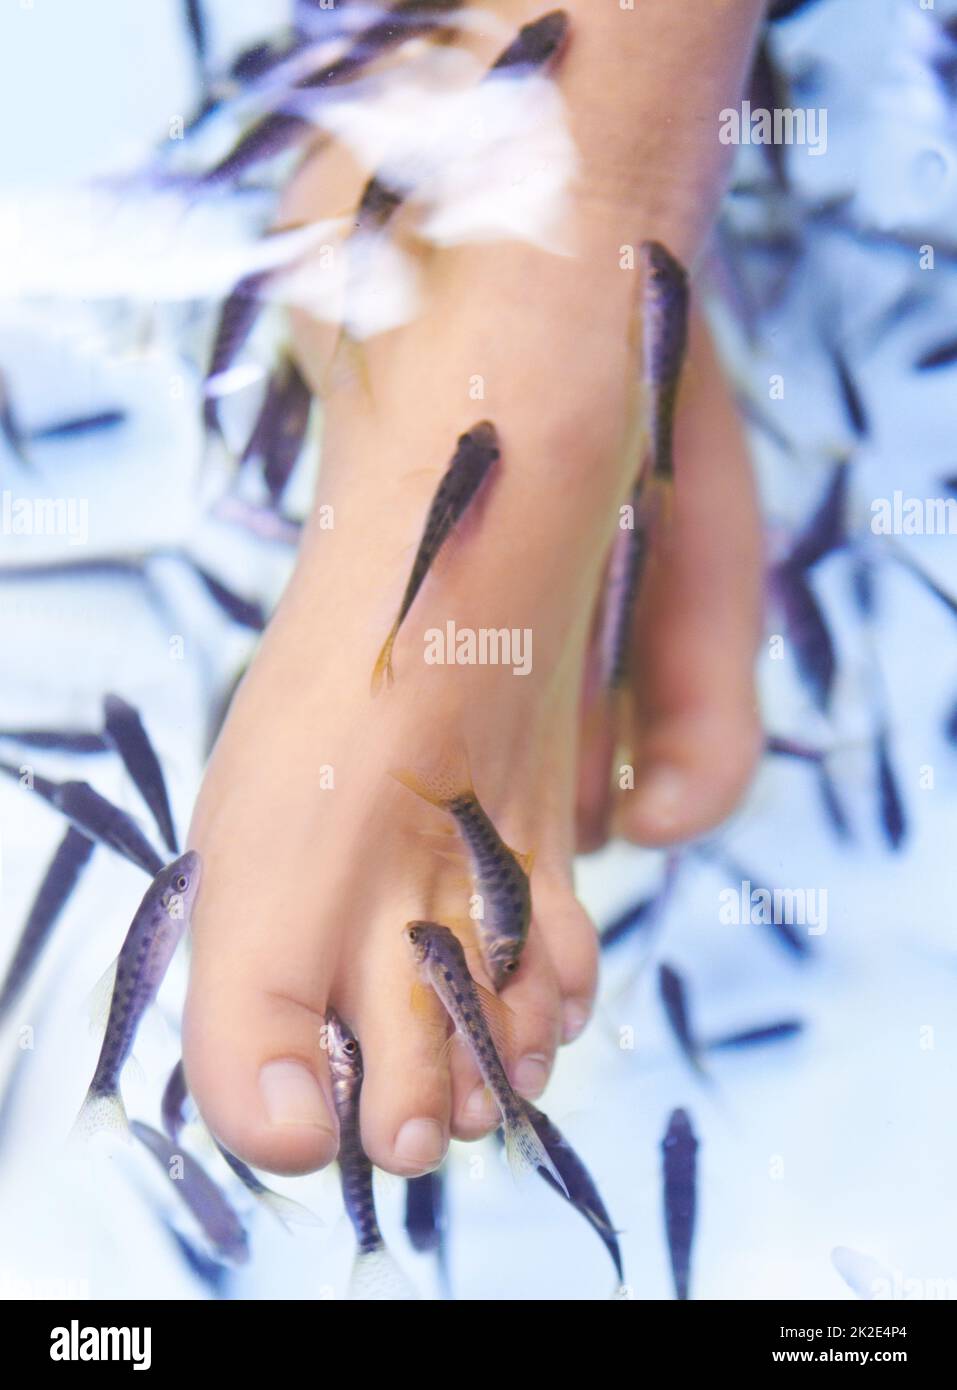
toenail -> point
(420, 1143)
(480, 1108)
(574, 1018)
(292, 1096)
(531, 1074)
(661, 792)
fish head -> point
(502, 956)
(179, 884)
(345, 1055)
(427, 940)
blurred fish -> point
(768, 90)
(674, 997)
(124, 729)
(851, 398)
(280, 130)
(76, 426)
(950, 728)
(500, 874)
(808, 633)
(481, 1019)
(623, 580)
(679, 1154)
(827, 529)
(237, 317)
(265, 523)
(196, 28)
(10, 426)
(862, 1274)
(154, 934)
(375, 1275)
(768, 1032)
(784, 9)
(475, 453)
(286, 1211)
(62, 740)
(246, 612)
(426, 1221)
(280, 427)
(645, 913)
(828, 791)
(665, 341)
(892, 817)
(94, 816)
(59, 881)
(944, 355)
(199, 1194)
(174, 1101)
(211, 1273)
(580, 1189)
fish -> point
(679, 1150)
(808, 632)
(479, 1017)
(149, 946)
(851, 397)
(173, 1102)
(10, 426)
(944, 355)
(79, 425)
(280, 427)
(826, 531)
(426, 1221)
(173, 1112)
(674, 997)
(244, 611)
(61, 878)
(579, 1186)
(124, 729)
(501, 875)
(537, 43)
(101, 820)
(892, 816)
(475, 453)
(63, 740)
(639, 917)
(833, 806)
(216, 1218)
(626, 566)
(375, 1275)
(784, 9)
(280, 130)
(950, 727)
(237, 318)
(768, 90)
(664, 307)
(95, 817)
(862, 1274)
(766, 1032)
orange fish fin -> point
(525, 861)
(499, 1020)
(422, 1001)
(438, 787)
(382, 671)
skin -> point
(306, 890)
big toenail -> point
(292, 1096)
(420, 1143)
(531, 1074)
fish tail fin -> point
(377, 1278)
(382, 671)
(526, 1151)
(287, 1212)
(101, 1112)
(449, 780)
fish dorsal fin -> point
(525, 861)
(498, 1019)
(100, 998)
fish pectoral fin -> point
(100, 998)
(525, 861)
(499, 1020)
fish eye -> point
(413, 934)
(510, 967)
(350, 1047)
(181, 884)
